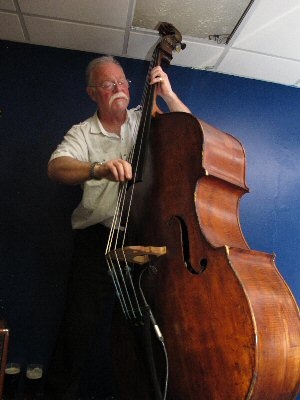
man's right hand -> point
(117, 170)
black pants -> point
(81, 364)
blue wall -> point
(42, 94)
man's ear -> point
(91, 92)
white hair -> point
(95, 64)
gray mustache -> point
(118, 96)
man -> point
(94, 154)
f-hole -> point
(186, 249)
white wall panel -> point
(198, 54)
(7, 5)
(74, 36)
(273, 30)
(92, 11)
(10, 27)
(259, 66)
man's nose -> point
(117, 87)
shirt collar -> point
(96, 126)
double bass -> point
(208, 318)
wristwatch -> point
(92, 170)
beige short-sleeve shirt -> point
(88, 141)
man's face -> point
(109, 100)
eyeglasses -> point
(110, 86)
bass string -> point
(118, 265)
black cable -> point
(149, 347)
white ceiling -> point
(264, 44)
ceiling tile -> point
(259, 66)
(141, 45)
(196, 54)
(191, 17)
(7, 5)
(10, 27)
(264, 45)
(74, 36)
(202, 55)
(272, 28)
(92, 11)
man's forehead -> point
(108, 70)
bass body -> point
(229, 321)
